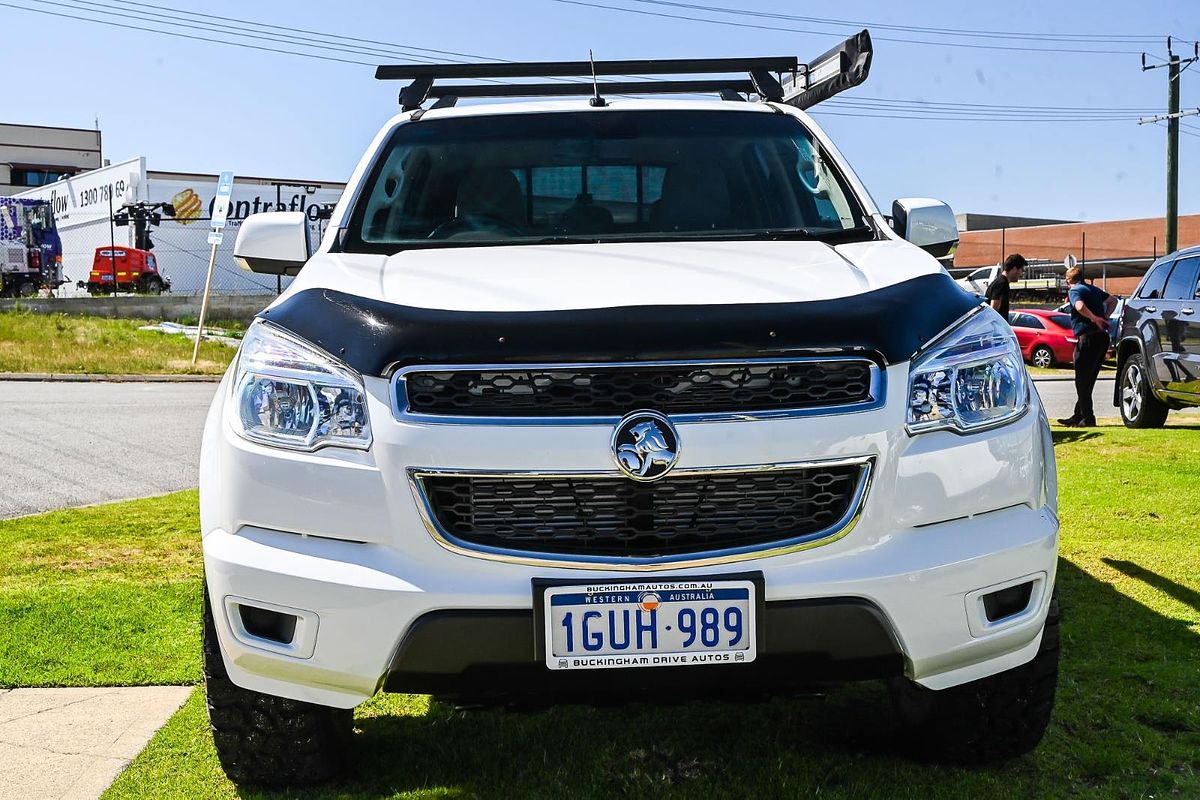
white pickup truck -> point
(1039, 282)
(615, 398)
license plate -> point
(651, 624)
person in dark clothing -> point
(997, 293)
(1090, 307)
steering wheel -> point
(473, 222)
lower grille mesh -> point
(680, 514)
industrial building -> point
(1115, 253)
(34, 155)
(84, 191)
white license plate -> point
(651, 624)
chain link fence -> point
(182, 251)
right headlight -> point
(290, 394)
(970, 378)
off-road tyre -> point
(1135, 396)
(266, 740)
(993, 719)
(1042, 356)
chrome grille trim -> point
(876, 395)
(840, 528)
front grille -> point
(598, 390)
(601, 516)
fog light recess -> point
(266, 626)
(1007, 602)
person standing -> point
(1090, 307)
(999, 290)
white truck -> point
(621, 398)
(1041, 282)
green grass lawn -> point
(60, 343)
(117, 600)
(102, 596)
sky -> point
(201, 106)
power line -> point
(818, 111)
(937, 103)
(220, 29)
(58, 14)
(776, 28)
(391, 45)
(977, 112)
(958, 32)
(898, 108)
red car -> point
(1046, 337)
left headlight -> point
(970, 378)
(288, 393)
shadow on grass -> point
(1182, 593)
(1125, 725)
(1072, 435)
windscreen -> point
(601, 176)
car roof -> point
(611, 103)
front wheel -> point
(1042, 356)
(266, 740)
(992, 719)
(1139, 407)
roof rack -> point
(779, 79)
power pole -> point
(1175, 67)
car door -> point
(1025, 334)
(1189, 313)
(1177, 368)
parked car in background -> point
(1045, 337)
(1158, 352)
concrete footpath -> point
(70, 744)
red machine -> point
(135, 271)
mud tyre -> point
(993, 719)
(263, 740)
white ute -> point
(610, 398)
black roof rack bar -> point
(560, 69)
(798, 84)
(580, 88)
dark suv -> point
(1158, 351)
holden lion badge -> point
(645, 445)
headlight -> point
(970, 378)
(290, 394)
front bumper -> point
(336, 537)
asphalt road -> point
(1058, 396)
(72, 444)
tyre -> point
(992, 719)
(152, 286)
(1139, 407)
(266, 740)
(26, 289)
(1042, 356)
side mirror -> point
(929, 224)
(273, 243)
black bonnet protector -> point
(376, 337)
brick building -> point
(1121, 250)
